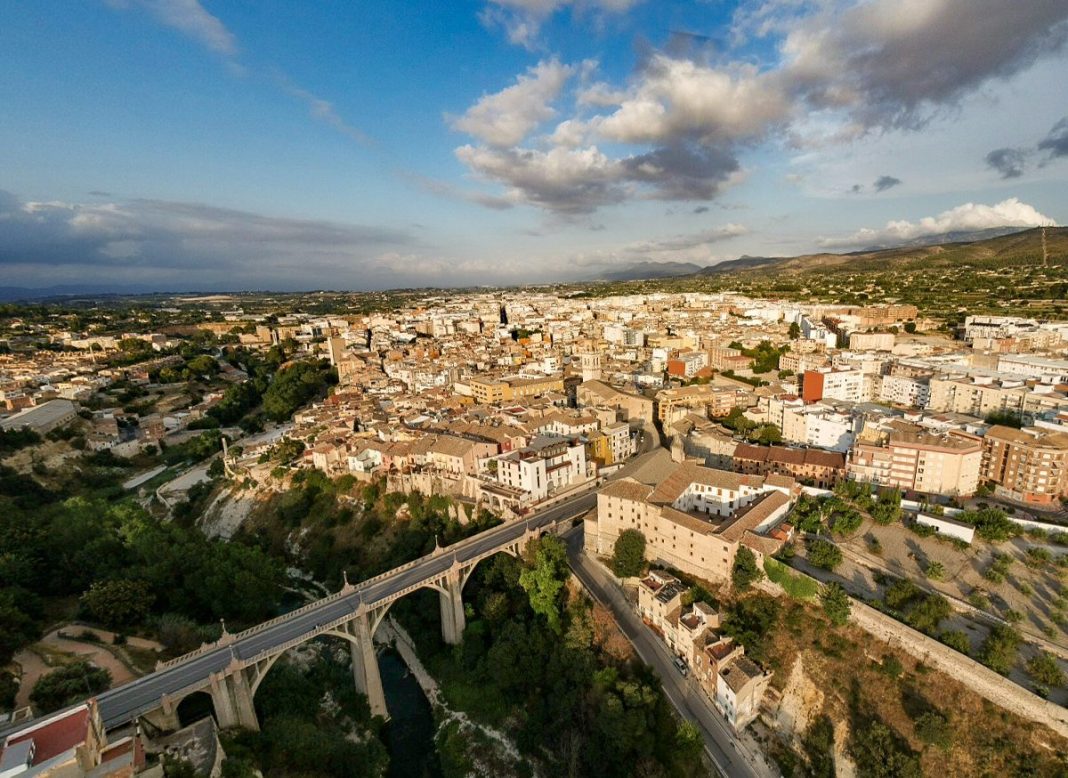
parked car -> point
(681, 667)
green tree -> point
(118, 603)
(879, 753)
(745, 572)
(795, 330)
(823, 553)
(936, 571)
(836, 603)
(628, 553)
(543, 579)
(69, 684)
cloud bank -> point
(964, 218)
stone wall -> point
(980, 679)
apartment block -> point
(832, 384)
(1028, 465)
(913, 459)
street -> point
(692, 703)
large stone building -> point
(810, 466)
(696, 518)
(1029, 465)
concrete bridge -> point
(231, 670)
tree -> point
(910, 327)
(68, 685)
(795, 330)
(118, 603)
(543, 579)
(836, 603)
(879, 753)
(823, 553)
(746, 572)
(628, 554)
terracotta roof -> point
(748, 519)
(668, 490)
(628, 489)
(740, 672)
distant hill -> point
(643, 270)
(998, 244)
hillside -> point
(1005, 274)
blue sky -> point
(217, 144)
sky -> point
(234, 145)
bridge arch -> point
(195, 706)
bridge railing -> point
(207, 648)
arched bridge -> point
(231, 669)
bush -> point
(933, 728)
(957, 640)
(628, 554)
(823, 553)
(936, 571)
(891, 666)
(998, 651)
(1044, 669)
(118, 603)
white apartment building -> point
(547, 465)
(911, 391)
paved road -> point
(684, 693)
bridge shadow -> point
(195, 707)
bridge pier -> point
(453, 620)
(365, 666)
(232, 698)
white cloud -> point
(505, 118)
(522, 19)
(190, 18)
(964, 218)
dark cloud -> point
(682, 172)
(1056, 142)
(882, 183)
(856, 189)
(891, 73)
(1007, 161)
(701, 209)
(201, 244)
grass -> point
(800, 587)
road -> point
(684, 693)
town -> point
(867, 461)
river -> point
(409, 735)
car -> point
(681, 666)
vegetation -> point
(798, 586)
(919, 609)
(562, 685)
(824, 553)
(745, 572)
(628, 557)
(296, 385)
(1000, 648)
(836, 603)
(67, 685)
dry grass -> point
(845, 664)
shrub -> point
(1044, 669)
(933, 728)
(998, 651)
(891, 666)
(957, 640)
(936, 571)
